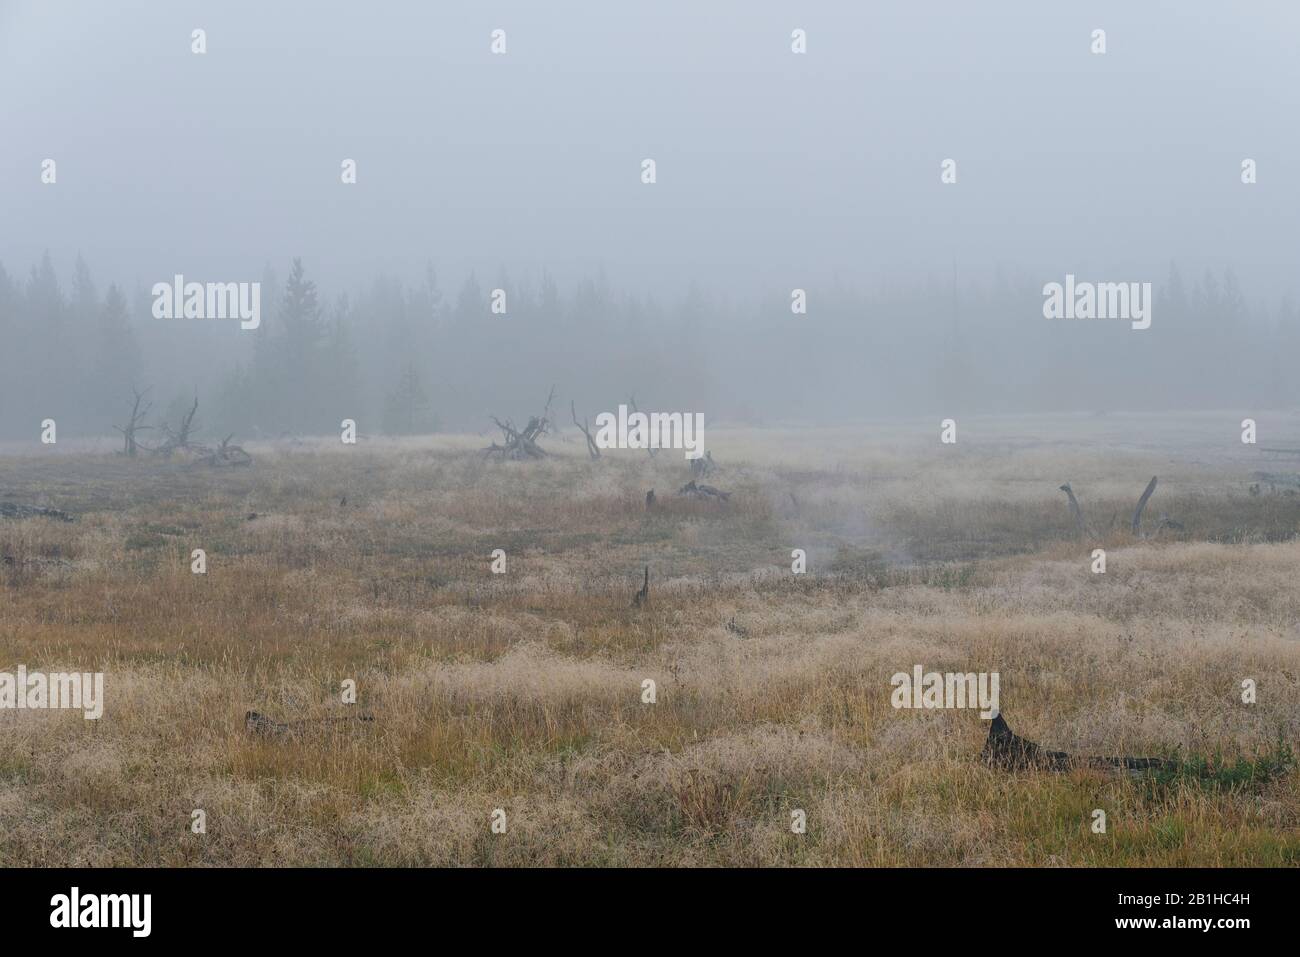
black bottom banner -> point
(339, 906)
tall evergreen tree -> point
(407, 406)
(117, 361)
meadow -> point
(523, 691)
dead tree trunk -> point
(631, 404)
(133, 425)
(1074, 508)
(179, 440)
(1142, 503)
(592, 449)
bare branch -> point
(592, 449)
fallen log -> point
(1167, 522)
(1007, 751)
(34, 562)
(703, 491)
(224, 455)
(10, 510)
(178, 440)
(257, 723)
(518, 443)
(1273, 479)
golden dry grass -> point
(522, 691)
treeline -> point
(406, 357)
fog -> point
(522, 171)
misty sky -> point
(773, 168)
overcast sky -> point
(770, 165)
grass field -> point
(523, 691)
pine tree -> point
(405, 407)
(300, 311)
(42, 347)
(342, 368)
(289, 365)
(117, 359)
